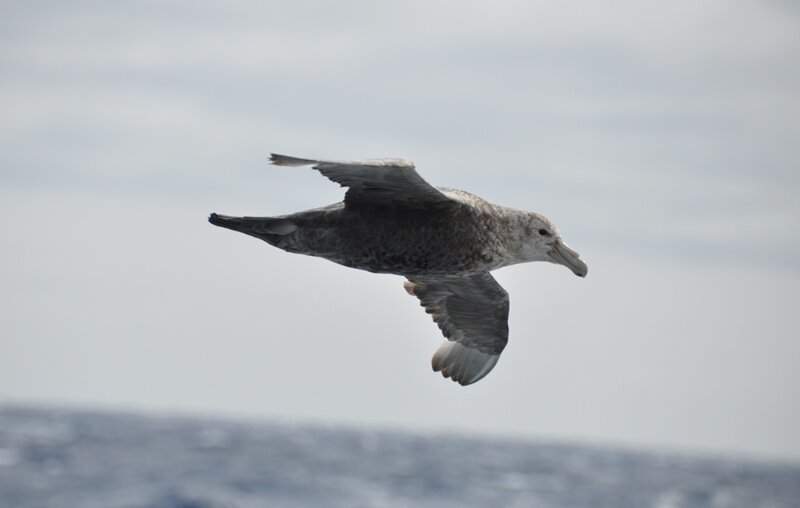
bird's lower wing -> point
(472, 313)
(375, 181)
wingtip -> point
(463, 365)
(448, 373)
(287, 160)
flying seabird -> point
(444, 241)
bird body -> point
(444, 241)
(469, 238)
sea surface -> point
(77, 459)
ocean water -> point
(73, 459)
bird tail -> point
(260, 227)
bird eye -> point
(544, 232)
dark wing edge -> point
(286, 160)
(374, 181)
(472, 313)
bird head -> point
(544, 243)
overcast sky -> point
(661, 138)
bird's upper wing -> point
(472, 313)
(375, 181)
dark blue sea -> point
(75, 459)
